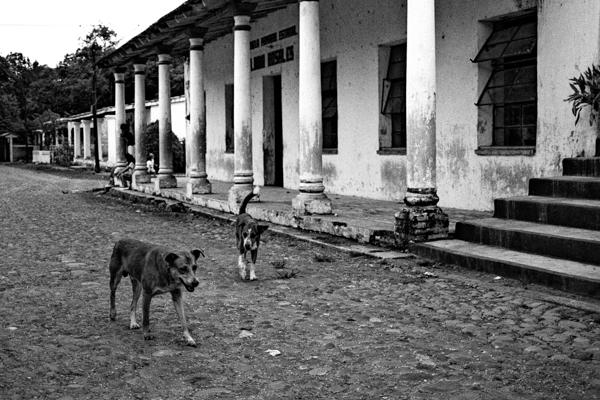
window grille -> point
(511, 90)
(394, 95)
(329, 104)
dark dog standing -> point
(247, 234)
(153, 270)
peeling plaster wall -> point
(351, 33)
(219, 71)
(568, 33)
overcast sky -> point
(46, 30)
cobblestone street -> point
(344, 326)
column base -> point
(237, 192)
(198, 186)
(420, 224)
(140, 176)
(165, 181)
(312, 203)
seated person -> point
(150, 164)
(125, 174)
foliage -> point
(586, 93)
(76, 70)
(26, 93)
(62, 155)
(177, 146)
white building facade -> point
(502, 70)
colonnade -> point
(421, 197)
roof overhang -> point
(213, 18)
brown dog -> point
(153, 270)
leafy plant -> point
(586, 93)
(63, 155)
(178, 147)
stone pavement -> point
(361, 219)
(318, 324)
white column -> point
(69, 127)
(242, 117)
(76, 139)
(197, 182)
(99, 138)
(11, 154)
(420, 103)
(186, 95)
(420, 219)
(119, 117)
(87, 153)
(311, 198)
(165, 177)
(140, 174)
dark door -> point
(272, 131)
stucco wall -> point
(352, 32)
(567, 42)
(350, 35)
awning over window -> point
(510, 41)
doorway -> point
(272, 131)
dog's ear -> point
(170, 258)
(196, 253)
(262, 229)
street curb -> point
(357, 249)
(307, 236)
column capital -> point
(119, 77)
(164, 58)
(139, 68)
(196, 43)
(241, 22)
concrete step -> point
(582, 166)
(581, 187)
(551, 240)
(576, 213)
(558, 273)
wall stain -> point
(393, 179)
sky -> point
(46, 30)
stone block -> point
(420, 224)
(165, 181)
(310, 204)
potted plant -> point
(586, 94)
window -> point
(329, 105)
(393, 99)
(509, 98)
(229, 134)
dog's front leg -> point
(253, 254)
(176, 295)
(242, 265)
(146, 299)
(137, 291)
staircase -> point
(551, 237)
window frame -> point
(516, 64)
(397, 136)
(329, 93)
(229, 119)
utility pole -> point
(94, 116)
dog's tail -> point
(249, 196)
